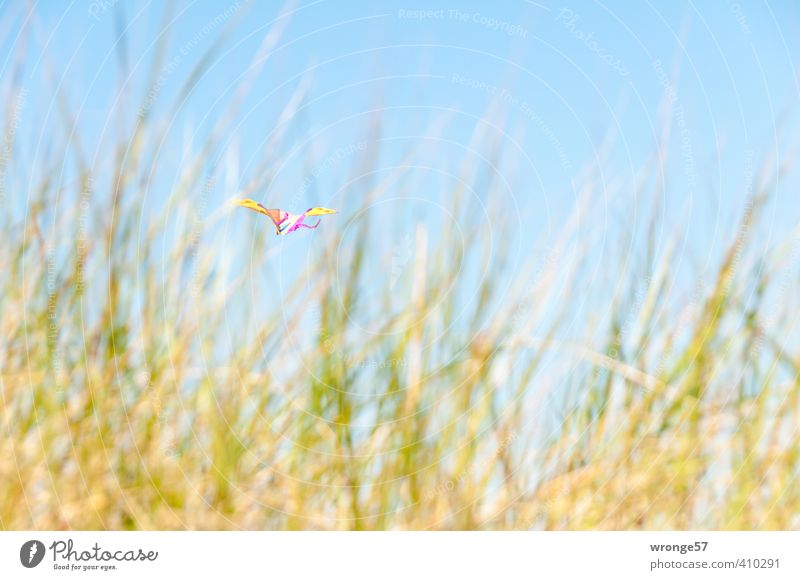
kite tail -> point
(307, 226)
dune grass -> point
(144, 384)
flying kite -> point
(285, 222)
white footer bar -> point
(402, 555)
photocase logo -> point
(31, 553)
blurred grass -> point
(131, 399)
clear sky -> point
(571, 83)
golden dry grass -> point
(130, 398)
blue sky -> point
(583, 67)
(568, 83)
